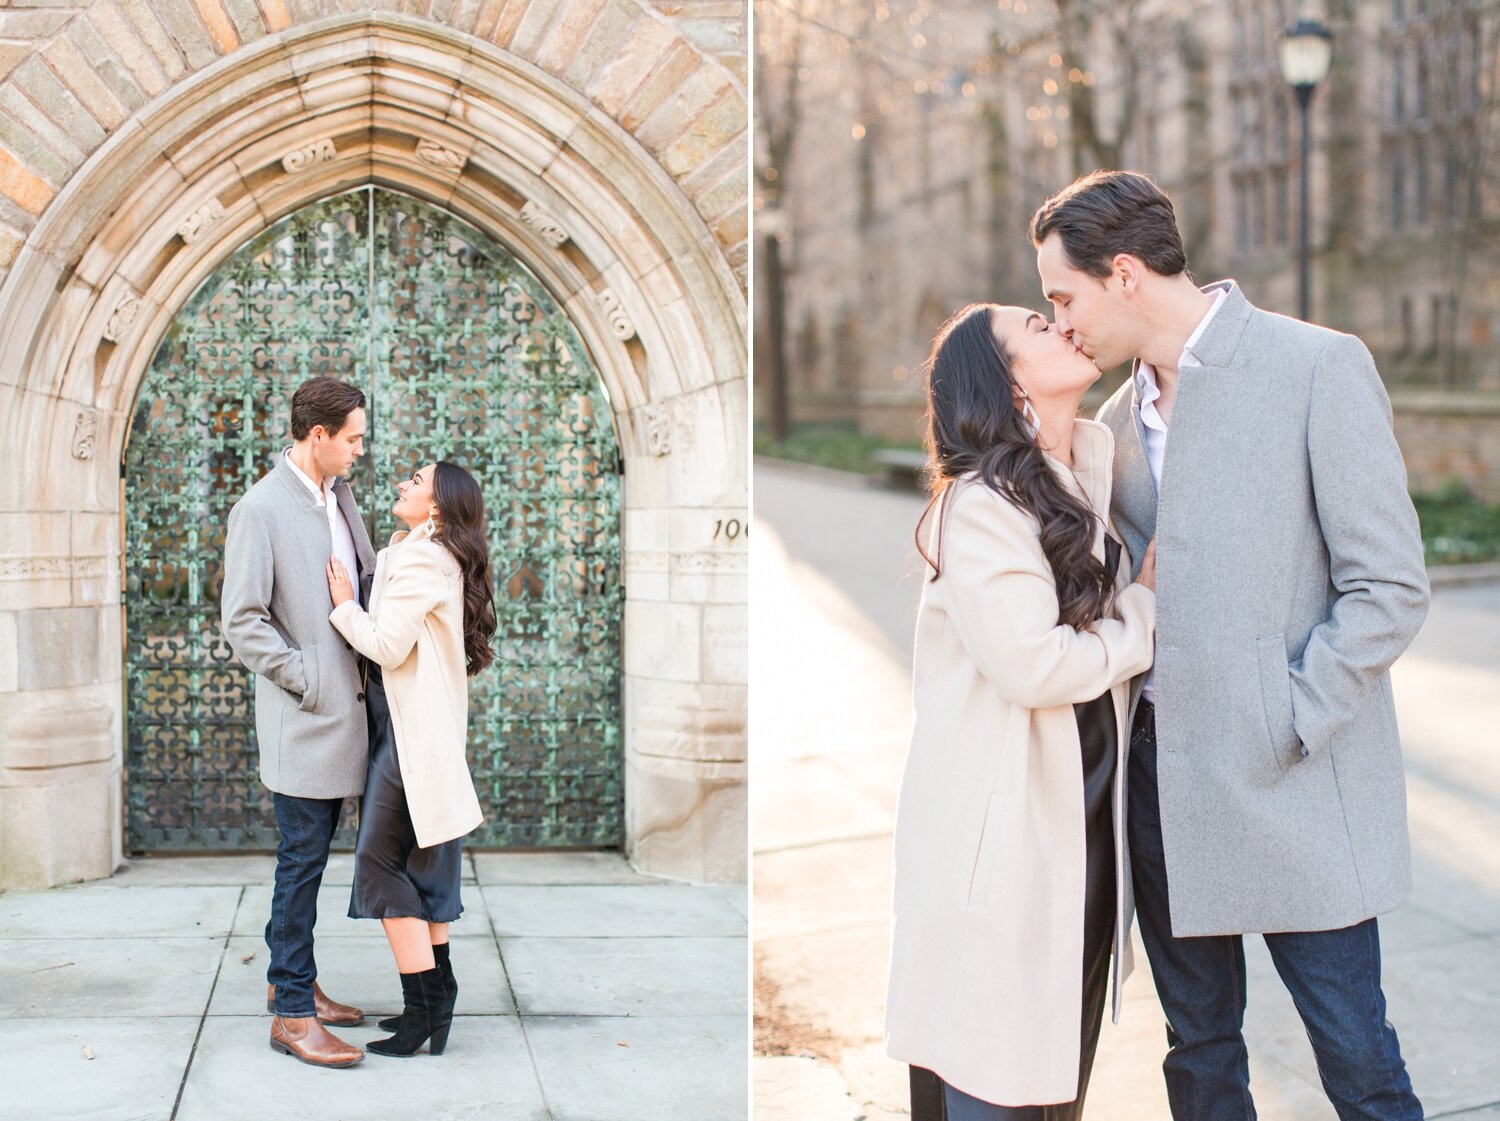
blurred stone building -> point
(522, 228)
(929, 132)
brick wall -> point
(671, 73)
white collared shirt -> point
(1154, 428)
(338, 528)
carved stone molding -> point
(121, 319)
(309, 155)
(548, 225)
(200, 221)
(12, 568)
(641, 560)
(85, 431)
(430, 152)
(619, 322)
(711, 563)
(658, 429)
(716, 562)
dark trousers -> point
(1333, 977)
(307, 826)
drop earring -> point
(431, 526)
(1028, 415)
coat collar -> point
(407, 536)
(1092, 472)
(283, 471)
(1221, 337)
(1093, 458)
(289, 475)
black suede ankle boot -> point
(444, 961)
(428, 1015)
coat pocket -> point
(1276, 698)
(984, 856)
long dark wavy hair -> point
(461, 530)
(972, 425)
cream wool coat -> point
(986, 981)
(415, 632)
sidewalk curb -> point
(1462, 575)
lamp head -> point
(1306, 52)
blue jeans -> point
(1333, 977)
(307, 826)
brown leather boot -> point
(329, 1011)
(306, 1039)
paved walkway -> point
(835, 586)
(587, 993)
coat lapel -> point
(282, 469)
(1221, 337)
(1134, 497)
(363, 550)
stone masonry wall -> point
(1450, 439)
(671, 73)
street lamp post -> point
(1306, 51)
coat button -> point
(360, 697)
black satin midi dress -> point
(393, 878)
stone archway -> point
(519, 155)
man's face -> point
(1091, 313)
(336, 454)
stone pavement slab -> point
(191, 871)
(796, 1086)
(556, 868)
(236, 869)
(737, 896)
(627, 976)
(611, 911)
(361, 972)
(95, 911)
(334, 920)
(679, 1068)
(858, 878)
(485, 1072)
(134, 1075)
(792, 810)
(168, 1013)
(129, 977)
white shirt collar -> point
(328, 480)
(1145, 374)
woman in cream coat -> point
(428, 629)
(1012, 886)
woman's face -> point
(416, 500)
(1043, 362)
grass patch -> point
(839, 446)
(1458, 528)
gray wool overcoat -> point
(1289, 577)
(309, 709)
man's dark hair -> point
(325, 401)
(1111, 212)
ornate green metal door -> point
(462, 355)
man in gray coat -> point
(1267, 793)
(309, 705)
